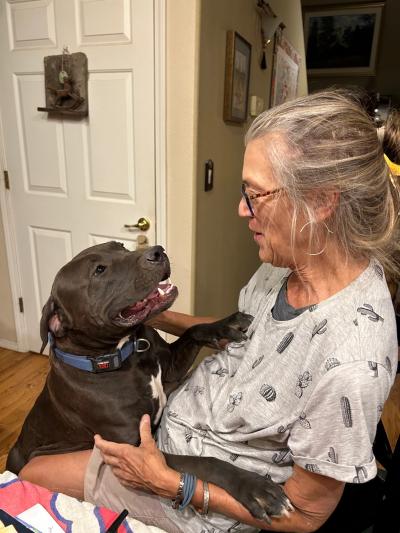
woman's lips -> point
(257, 235)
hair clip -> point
(393, 167)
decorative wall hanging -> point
(342, 40)
(237, 77)
(269, 23)
(66, 84)
(285, 70)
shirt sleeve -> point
(334, 433)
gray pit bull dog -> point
(108, 368)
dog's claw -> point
(285, 512)
(289, 506)
(266, 518)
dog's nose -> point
(155, 254)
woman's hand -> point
(143, 467)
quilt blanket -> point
(72, 515)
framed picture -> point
(342, 40)
(285, 70)
(237, 77)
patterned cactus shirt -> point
(309, 390)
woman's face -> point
(272, 221)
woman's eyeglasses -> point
(249, 197)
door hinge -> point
(21, 305)
(6, 179)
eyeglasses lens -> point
(246, 197)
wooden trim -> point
(160, 113)
(11, 252)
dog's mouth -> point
(155, 302)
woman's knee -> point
(59, 473)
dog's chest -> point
(158, 393)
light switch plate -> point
(256, 105)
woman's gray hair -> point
(330, 144)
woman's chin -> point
(264, 255)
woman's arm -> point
(177, 323)
(313, 496)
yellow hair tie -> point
(393, 167)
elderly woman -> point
(300, 400)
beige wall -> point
(7, 324)
(226, 255)
(183, 21)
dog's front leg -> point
(262, 497)
(184, 350)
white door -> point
(74, 183)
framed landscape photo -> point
(237, 77)
(342, 40)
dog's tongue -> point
(138, 306)
(163, 288)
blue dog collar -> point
(100, 363)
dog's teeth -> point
(161, 291)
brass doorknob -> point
(143, 224)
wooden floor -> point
(22, 376)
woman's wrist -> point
(168, 483)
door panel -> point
(41, 241)
(31, 24)
(103, 23)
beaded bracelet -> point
(189, 487)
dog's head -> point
(105, 291)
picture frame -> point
(285, 70)
(342, 40)
(237, 78)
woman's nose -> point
(243, 209)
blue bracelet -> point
(189, 488)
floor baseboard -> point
(8, 345)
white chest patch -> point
(123, 341)
(158, 393)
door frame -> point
(160, 174)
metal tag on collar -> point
(141, 345)
(106, 363)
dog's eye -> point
(99, 269)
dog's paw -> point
(263, 498)
(230, 329)
(238, 321)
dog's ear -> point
(50, 321)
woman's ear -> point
(325, 204)
(51, 321)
